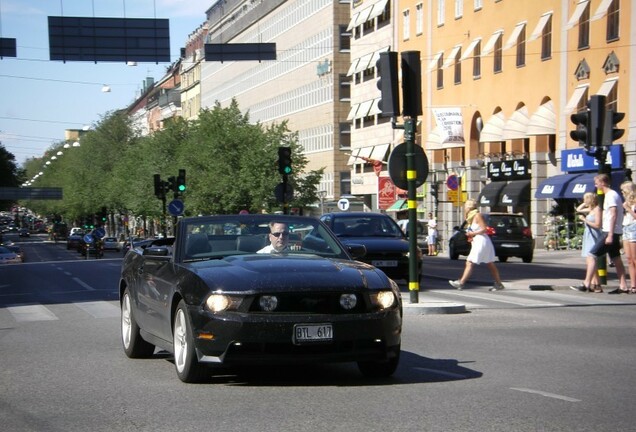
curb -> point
(433, 308)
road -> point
(519, 360)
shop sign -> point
(574, 160)
(518, 169)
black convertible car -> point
(216, 295)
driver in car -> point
(278, 237)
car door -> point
(156, 281)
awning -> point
(515, 193)
(517, 125)
(490, 45)
(399, 205)
(452, 56)
(574, 19)
(353, 67)
(489, 195)
(352, 112)
(538, 30)
(376, 56)
(364, 109)
(378, 8)
(576, 98)
(433, 64)
(543, 121)
(365, 152)
(585, 183)
(554, 187)
(375, 109)
(493, 129)
(353, 158)
(469, 50)
(601, 10)
(607, 86)
(379, 151)
(363, 63)
(359, 18)
(514, 36)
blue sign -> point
(574, 160)
(452, 182)
(99, 232)
(176, 207)
(88, 238)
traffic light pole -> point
(601, 158)
(411, 176)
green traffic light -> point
(182, 188)
(287, 170)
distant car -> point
(386, 244)
(210, 299)
(24, 232)
(8, 257)
(95, 247)
(137, 242)
(74, 240)
(111, 243)
(510, 234)
(76, 230)
(16, 249)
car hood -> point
(378, 244)
(260, 272)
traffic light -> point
(597, 120)
(386, 66)
(582, 122)
(411, 84)
(172, 183)
(104, 215)
(284, 160)
(181, 182)
(434, 190)
(610, 132)
(159, 191)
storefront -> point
(509, 185)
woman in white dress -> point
(481, 250)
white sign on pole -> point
(343, 204)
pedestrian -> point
(609, 242)
(590, 215)
(628, 189)
(481, 249)
(432, 235)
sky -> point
(40, 99)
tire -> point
(134, 345)
(380, 369)
(451, 253)
(527, 259)
(188, 368)
(503, 258)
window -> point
(611, 101)
(584, 28)
(419, 19)
(521, 48)
(459, 8)
(440, 12)
(546, 40)
(406, 25)
(458, 68)
(345, 39)
(440, 72)
(613, 21)
(345, 87)
(498, 59)
(345, 135)
(477, 60)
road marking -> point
(31, 313)
(546, 394)
(84, 284)
(99, 309)
(498, 298)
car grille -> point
(312, 303)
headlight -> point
(218, 302)
(268, 303)
(348, 301)
(383, 299)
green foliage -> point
(230, 166)
(10, 175)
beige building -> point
(516, 71)
(307, 83)
(192, 58)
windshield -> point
(216, 237)
(366, 226)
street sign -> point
(88, 238)
(397, 166)
(99, 232)
(343, 204)
(453, 195)
(176, 207)
(452, 182)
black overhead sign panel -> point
(240, 51)
(7, 47)
(109, 39)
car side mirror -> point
(156, 251)
(357, 250)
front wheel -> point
(503, 259)
(134, 345)
(527, 259)
(380, 369)
(188, 368)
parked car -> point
(510, 235)
(386, 244)
(8, 257)
(24, 232)
(16, 250)
(111, 243)
(208, 297)
(95, 247)
(74, 240)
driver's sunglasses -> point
(278, 234)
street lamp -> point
(322, 194)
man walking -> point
(609, 242)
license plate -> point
(509, 245)
(384, 263)
(312, 333)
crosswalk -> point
(471, 299)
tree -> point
(10, 175)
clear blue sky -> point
(40, 98)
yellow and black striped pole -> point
(411, 177)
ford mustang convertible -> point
(258, 289)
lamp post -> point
(322, 194)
